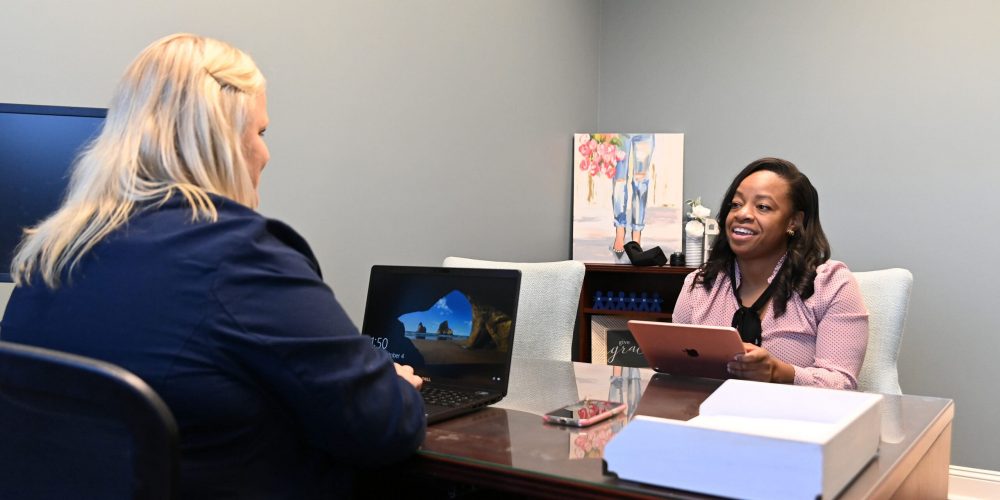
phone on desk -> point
(584, 413)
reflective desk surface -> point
(508, 447)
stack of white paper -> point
(755, 440)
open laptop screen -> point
(452, 325)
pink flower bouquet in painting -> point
(601, 153)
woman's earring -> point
(791, 232)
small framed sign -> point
(622, 350)
(612, 344)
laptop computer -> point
(692, 350)
(454, 326)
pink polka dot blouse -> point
(824, 337)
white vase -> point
(694, 241)
(693, 251)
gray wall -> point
(893, 110)
(401, 132)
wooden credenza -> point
(665, 281)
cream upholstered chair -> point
(887, 296)
(546, 306)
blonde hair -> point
(175, 125)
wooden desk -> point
(509, 448)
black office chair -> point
(75, 427)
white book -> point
(755, 440)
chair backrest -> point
(75, 427)
(887, 297)
(546, 307)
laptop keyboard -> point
(446, 397)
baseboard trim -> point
(966, 483)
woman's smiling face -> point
(760, 215)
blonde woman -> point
(158, 262)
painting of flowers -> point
(626, 187)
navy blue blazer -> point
(275, 392)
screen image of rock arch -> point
(450, 326)
(458, 335)
(450, 319)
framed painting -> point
(626, 187)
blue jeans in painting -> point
(639, 149)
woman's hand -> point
(406, 373)
(756, 363)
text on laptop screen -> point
(449, 324)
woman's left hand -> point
(757, 363)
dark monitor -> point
(38, 145)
